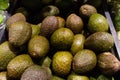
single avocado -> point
(17, 65)
(87, 10)
(97, 22)
(6, 55)
(48, 26)
(38, 46)
(107, 66)
(36, 72)
(14, 18)
(35, 30)
(84, 61)
(100, 42)
(61, 63)
(62, 39)
(75, 23)
(19, 33)
(78, 43)
(77, 77)
(3, 75)
(54, 77)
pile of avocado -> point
(72, 46)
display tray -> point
(115, 50)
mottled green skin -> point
(97, 22)
(17, 65)
(62, 39)
(61, 64)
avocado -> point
(97, 22)
(38, 46)
(78, 43)
(19, 33)
(75, 23)
(3, 75)
(108, 67)
(6, 55)
(100, 42)
(17, 65)
(84, 61)
(62, 39)
(36, 72)
(48, 26)
(14, 18)
(61, 63)
(87, 10)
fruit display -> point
(57, 40)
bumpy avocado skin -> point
(19, 33)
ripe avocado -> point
(87, 10)
(84, 61)
(99, 42)
(14, 18)
(48, 26)
(38, 46)
(17, 65)
(108, 67)
(19, 33)
(75, 23)
(36, 72)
